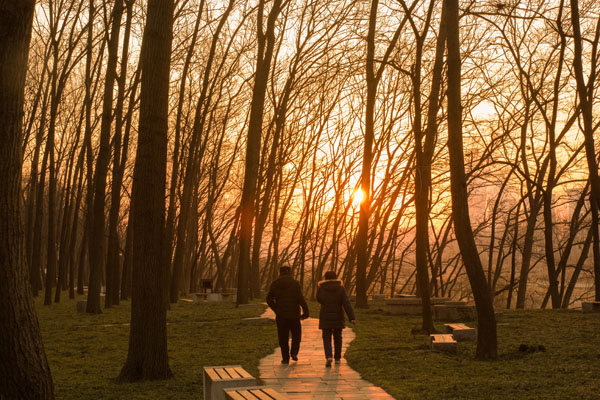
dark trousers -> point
(337, 340)
(284, 327)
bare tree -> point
(487, 342)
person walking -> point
(334, 301)
(285, 298)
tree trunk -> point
(23, 365)
(487, 341)
(266, 43)
(147, 357)
(586, 96)
(112, 253)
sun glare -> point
(357, 197)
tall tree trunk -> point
(147, 358)
(487, 341)
(362, 256)
(23, 365)
(112, 253)
(586, 96)
(266, 43)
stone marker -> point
(81, 306)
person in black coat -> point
(285, 298)
(334, 301)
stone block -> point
(590, 306)
(439, 342)
(214, 297)
(460, 331)
(499, 316)
(454, 313)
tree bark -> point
(487, 341)
(266, 42)
(23, 365)
(586, 96)
(147, 358)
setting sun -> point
(357, 197)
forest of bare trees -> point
(333, 102)
(337, 134)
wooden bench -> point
(590, 306)
(443, 342)
(254, 393)
(460, 331)
(216, 379)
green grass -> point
(86, 356)
(388, 355)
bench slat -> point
(233, 373)
(242, 372)
(222, 374)
(246, 394)
(274, 395)
(234, 395)
(443, 338)
(212, 374)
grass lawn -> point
(388, 355)
(86, 352)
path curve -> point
(309, 378)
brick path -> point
(309, 378)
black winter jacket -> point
(285, 298)
(334, 300)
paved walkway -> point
(309, 378)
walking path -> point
(309, 378)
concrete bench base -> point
(444, 343)
(410, 305)
(590, 306)
(460, 331)
(254, 393)
(454, 312)
(219, 378)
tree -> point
(266, 43)
(147, 358)
(585, 93)
(487, 341)
(23, 365)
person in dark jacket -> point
(334, 301)
(285, 298)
